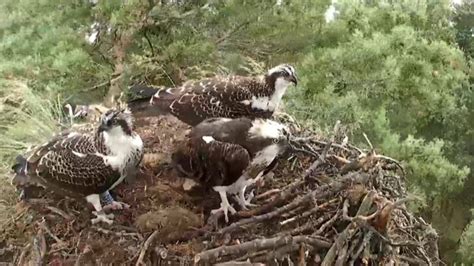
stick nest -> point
(329, 204)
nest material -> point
(332, 205)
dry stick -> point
(365, 242)
(278, 254)
(119, 234)
(342, 256)
(295, 211)
(267, 194)
(257, 245)
(43, 225)
(239, 263)
(302, 258)
(330, 222)
(397, 163)
(248, 255)
(343, 236)
(322, 158)
(38, 249)
(308, 225)
(22, 257)
(322, 192)
(288, 192)
(145, 248)
(355, 243)
(301, 216)
(59, 212)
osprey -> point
(231, 97)
(85, 163)
(230, 154)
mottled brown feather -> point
(222, 161)
(213, 97)
(56, 165)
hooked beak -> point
(102, 128)
(294, 79)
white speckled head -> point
(284, 72)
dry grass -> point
(26, 119)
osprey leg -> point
(243, 202)
(111, 204)
(225, 205)
(94, 199)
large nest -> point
(332, 203)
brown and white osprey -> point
(85, 164)
(231, 97)
(230, 154)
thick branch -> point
(256, 245)
(322, 192)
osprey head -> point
(284, 74)
(182, 160)
(117, 120)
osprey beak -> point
(294, 80)
(102, 127)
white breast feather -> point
(121, 147)
(261, 103)
(280, 88)
(271, 103)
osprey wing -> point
(217, 97)
(72, 163)
(213, 163)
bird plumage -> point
(80, 164)
(231, 97)
(229, 154)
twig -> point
(119, 234)
(145, 247)
(365, 242)
(149, 42)
(321, 192)
(344, 235)
(45, 227)
(238, 263)
(103, 84)
(309, 226)
(368, 141)
(38, 249)
(330, 222)
(286, 194)
(278, 254)
(59, 212)
(267, 194)
(397, 163)
(256, 245)
(232, 31)
(322, 158)
(302, 257)
(22, 257)
(301, 216)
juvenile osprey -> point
(231, 97)
(229, 154)
(85, 164)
